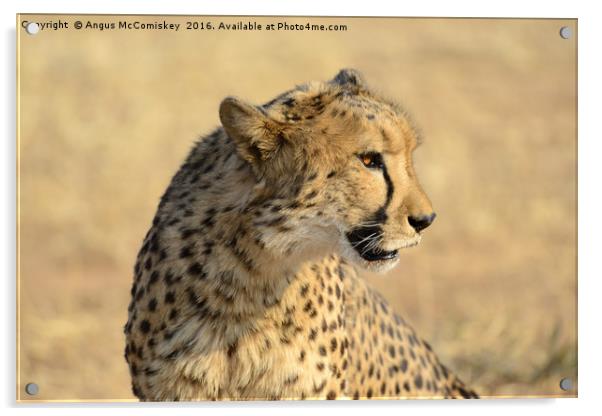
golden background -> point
(107, 117)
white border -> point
(590, 209)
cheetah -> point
(245, 287)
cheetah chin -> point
(377, 259)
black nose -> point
(420, 223)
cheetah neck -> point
(233, 254)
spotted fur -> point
(245, 287)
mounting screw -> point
(566, 384)
(565, 32)
(32, 389)
(32, 28)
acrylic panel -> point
(259, 208)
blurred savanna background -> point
(107, 117)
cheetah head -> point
(335, 158)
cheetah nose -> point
(420, 223)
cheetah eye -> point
(371, 160)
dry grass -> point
(106, 119)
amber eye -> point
(372, 160)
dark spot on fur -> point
(186, 251)
(173, 314)
(145, 326)
(291, 380)
(196, 270)
(418, 381)
(333, 344)
(392, 351)
(304, 289)
(320, 387)
(232, 349)
(404, 365)
(169, 278)
(170, 297)
(153, 277)
(311, 195)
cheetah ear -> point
(348, 77)
(257, 136)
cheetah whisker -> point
(364, 239)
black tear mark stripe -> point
(381, 214)
(389, 183)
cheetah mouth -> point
(378, 255)
(365, 242)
